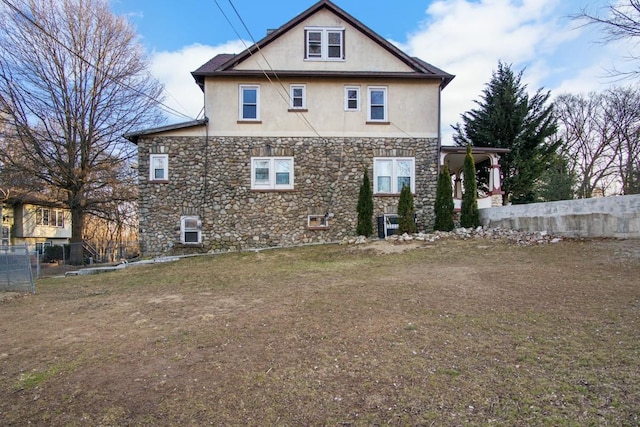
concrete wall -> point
(617, 216)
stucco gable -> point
(282, 52)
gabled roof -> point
(223, 64)
(134, 136)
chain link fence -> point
(53, 260)
(15, 269)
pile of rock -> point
(518, 237)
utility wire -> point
(55, 39)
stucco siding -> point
(412, 109)
(361, 53)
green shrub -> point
(406, 212)
(444, 206)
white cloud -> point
(173, 69)
(468, 38)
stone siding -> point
(212, 178)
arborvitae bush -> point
(406, 212)
(365, 207)
(469, 215)
(444, 206)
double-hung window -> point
(158, 167)
(50, 217)
(249, 103)
(377, 107)
(272, 173)
(298, 97)
(390, 174)
(351, 98)
(324, 43)
(190, 230)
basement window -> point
(190, 230)
(317, 222)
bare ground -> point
(461, 332)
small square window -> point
(190, 230)
(298, 95)
(352, 98)
(159, 167)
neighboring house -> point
(35, 223)
(290, 125)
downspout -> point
(439, 124)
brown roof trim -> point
(341, 74)
(416, 64)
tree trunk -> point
(76, 256)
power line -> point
(163, 106)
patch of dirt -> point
(459, 331)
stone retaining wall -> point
(212, 178)
(617, 216)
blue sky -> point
(466, 38)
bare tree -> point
(601, 139)
(72, 81)
(588, 141)
(620, 20)
(622, 110)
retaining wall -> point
(616, 216)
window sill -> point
(273, 190)
(389, 194)
(249, 122)
(159, 181)
(190, 245)
(318, 228)
(297, 110)
(377, 123)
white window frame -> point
(324, 44)
(370, 104)
(241, 103)
(271, 182)
(292, 88)
(165, 167)
(190, 224)
(348, 89)
(393, 187)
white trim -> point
(393, 184)
(241, 103)
(292, 87)
(271, 181)
(346, 98)
(190, 224)
(164, 158)
(385, 104)
(324, 43)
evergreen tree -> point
(444, 206)
(406, 212)
(556, 182)
(469, 215)
(508, 117)
(365, 207)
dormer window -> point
(324, 44)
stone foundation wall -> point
(212, 178)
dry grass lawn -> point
(475, 332)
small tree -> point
(444, 206)
(469, 215)
(406, 212)
(365, 207)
